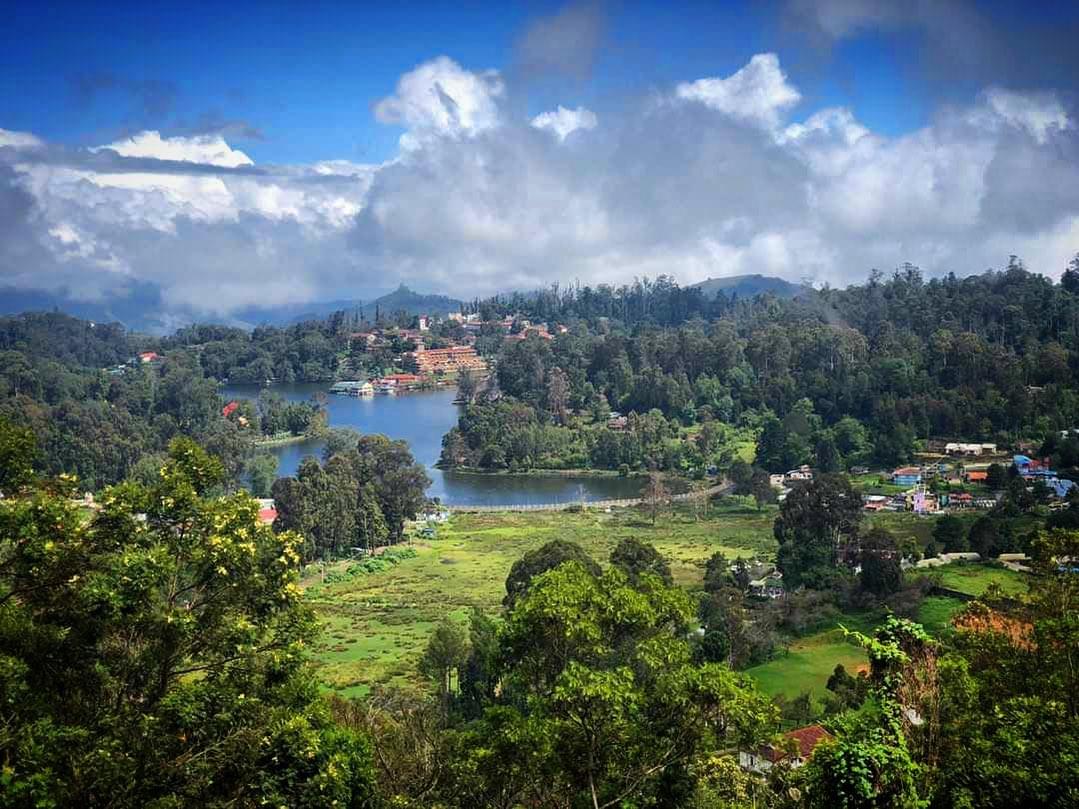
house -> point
(977, 476)
(803, 472)
(796, 748)
(776, 481)
(149, 356)
(874, 502)
(768, 586)
(921, 501)
(859, 470)
(229, 409)
(617, 421)
(267, 510)
(959, 500)
(907, 476)
(423, 322)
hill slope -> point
(749, 286)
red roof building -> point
(229, 409)
(149, 356)
(267, 515)
(805, 742)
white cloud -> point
(1037, 113)
(440, 97)
(563, 122)
(759, 92)
(481, 202)
(19, 140)
(210, 150)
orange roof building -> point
(453, 360)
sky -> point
(272, 153)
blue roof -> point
(1020, 460)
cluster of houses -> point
(389, 384)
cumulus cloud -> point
(563, 122)
(715, 179)
(759, 92)
(440, 98)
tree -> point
(717, 572)
(881, 571)
(617, 709)
(827, 453)
(656, 494)
(813, 520)
(985, 536)
(636, 558)
(161, 661)
(446, 652)
(762, 490)
(950, 533)
(546, 557)
(996, 477)
(18, 451)
(261, 473)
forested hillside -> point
(845, 377)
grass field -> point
(376, 626)
(807, 664)
(935, 613)
(976, 578)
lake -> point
(422, 419)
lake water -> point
(422, 419)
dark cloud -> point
(565, 43)
(958, 41)
(151, 99)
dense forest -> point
(836, 378)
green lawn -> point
(807, 664)
(377, 625)
(976, 578)
(935, 613)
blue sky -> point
(305, 75)
(224, 156)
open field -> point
(377, 625)
(807, 664)
(976, 578)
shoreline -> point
(269, 443)
(537, 473)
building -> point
(229, 409)
(796, 749)
(973, 450)
(149, 356)
(801, 473)
(907, 476)
(976, 476)
(616, 421)
(449, 360)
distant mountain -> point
(142, 310)
(749, 286)
(414, 303)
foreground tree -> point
(601, 703)
(544, 558)
(160, 661)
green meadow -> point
(376, 625)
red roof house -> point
(229, 409)
(267, 515)
(805, 741)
